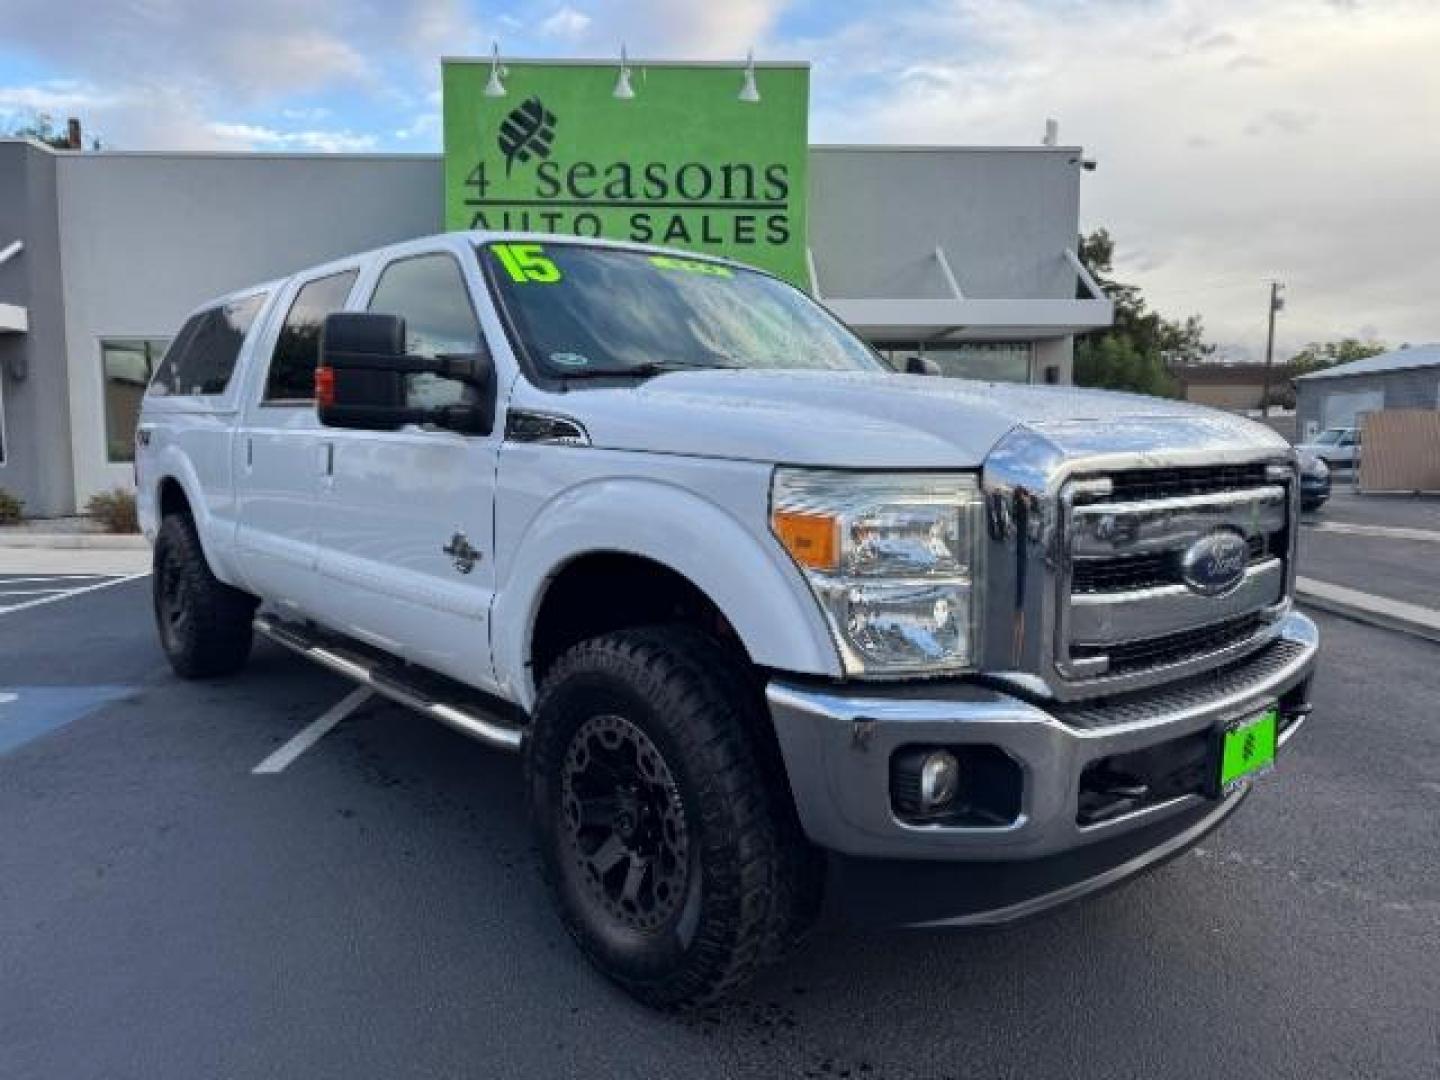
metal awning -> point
(14, 319)
(961, 318)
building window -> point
(992, 361)
(127, 367)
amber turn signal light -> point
(813, 540)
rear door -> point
(406, 523)
(278, 455)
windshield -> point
(584, 311)
(1329, 436)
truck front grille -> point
(1134, 485)
(1125, 573)
(1158, 652)
(1125, 605)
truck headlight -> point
(893, 560)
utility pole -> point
(1277, 303)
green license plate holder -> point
(1245, 749)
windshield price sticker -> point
(691, 266)
(526, 263)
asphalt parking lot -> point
(373, 910)
(19, 591)
(1385, 545)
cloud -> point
(257, 49)
(566, 24)
(310, 115)
(165, 64)
(1236, 141)
(257, 137)
(693, 29)
(424, 126)
(1282, 122)
(53, 97)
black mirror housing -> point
(361, 379)
(921, 365)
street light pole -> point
(1277, 302)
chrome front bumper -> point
(837, 745)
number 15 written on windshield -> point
(526, 263)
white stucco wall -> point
(1004, 217)
(145, 238)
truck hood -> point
(841, 419)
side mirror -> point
(921, 365)
(361, 379)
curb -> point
(73, 541)
(1412, 619)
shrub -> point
(115, 509)
(12, 510)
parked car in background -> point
(1314, 480)
(1338, 447)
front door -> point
(406, 517)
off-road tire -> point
(669, 683)
(800, 885)
(204, 624)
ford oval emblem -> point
(1215, 564)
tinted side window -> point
(203, 357)
(292, 368)
(429, 292)
(162, 383)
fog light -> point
(963, 786)
(939, 779)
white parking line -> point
(313, 732)
(1392, 532)
(27, 592)
(6, 580)
(23, 605)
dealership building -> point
(964, 254)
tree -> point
(42, 129)
(1318, 355)
(1138, 350)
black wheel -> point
(660, 835)
(204, 624)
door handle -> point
(329, 459)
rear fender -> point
(217, 534)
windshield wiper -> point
(642, 371)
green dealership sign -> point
(684, 162)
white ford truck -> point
(775, 628)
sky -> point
(1236, 141)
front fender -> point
(747, 576)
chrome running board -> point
(392, 681)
